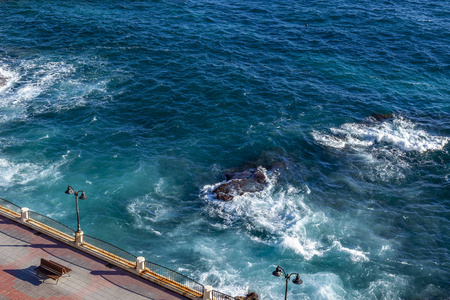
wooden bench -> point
(51, 269)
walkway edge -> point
(101, 254)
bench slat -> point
(47, 273)
(66, 269)
(51, 270)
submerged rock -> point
(250, 296)
(382, 117)
(239, 183)
(3, 81)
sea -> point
(145, 105)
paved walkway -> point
(21, 250)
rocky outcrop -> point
(250, 296)
(382, 117)
(239, 183)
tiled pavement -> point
(21, 250)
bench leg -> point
(39, 277)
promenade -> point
(21, 250)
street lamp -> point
(83, 196)
(279, 272)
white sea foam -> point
(330, 286)
(389, 285)
(400, 133)
(146, 213)
(329, 140)
(380, 149)
(271, 216)
(355, 254)
(225, 280)
(32, 78)
(159, 188)
(384, 249)
(306, 248)
(280, 217)
(8, 78)
(328, 292)
(37, 76)
(12, 174)
(26, 82)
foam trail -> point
(355, 255)
(226, 280)
(306, 248)
(271, 217)
(27, 88)
(400, 133)
(26, 83)
(147, 212)
(23, 173)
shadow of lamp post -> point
(280, 272)
(78, 233)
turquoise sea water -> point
(146, 104)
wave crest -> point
(277, 216)
(400, 133)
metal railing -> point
(110, 248)
(10, 205)
(175, 276)
(220, 296)
(51, 223)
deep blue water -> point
(146, 104)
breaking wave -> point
(399, 132)
(278, 216)
(23, 173)
(38, 86)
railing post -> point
(79, 239)
(208, 293)
(140, 264)
(25, 214)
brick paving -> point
(21, 250)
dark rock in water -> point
(3, 81)
(239, 183)
(382, 117)
(250, 296)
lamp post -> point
(83, 196)
(280, 272)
